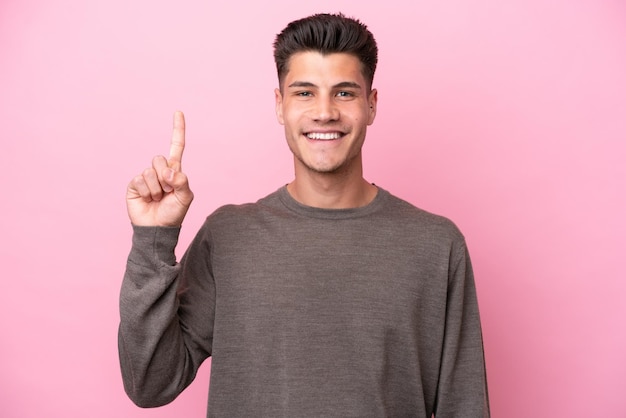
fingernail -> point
(168, 176)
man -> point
(327, 298)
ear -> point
(372, 103)
(279, 106)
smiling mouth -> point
(324, 136)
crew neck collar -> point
(324, 213)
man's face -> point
(325, 107)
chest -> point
(346, 274)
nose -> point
(325, 109)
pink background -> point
(507, 116)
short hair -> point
(326, 34)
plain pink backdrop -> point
(507, 116)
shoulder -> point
(418, 220)
(236, 215)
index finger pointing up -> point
(178, 141)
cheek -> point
(291, 117)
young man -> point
(327, 298)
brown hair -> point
(326, 34)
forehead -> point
(312, 66)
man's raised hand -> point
(160, 195)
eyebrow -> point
(343, 84)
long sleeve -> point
(161, 340)
(462, 390)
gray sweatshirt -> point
(307, 312)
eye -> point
(344, 93)
(304, 94)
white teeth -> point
(323, 136)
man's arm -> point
(158, 355)
(462, 390)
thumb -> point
(179, 183)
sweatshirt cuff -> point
(154, 244)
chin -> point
(326, 168)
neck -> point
(331, 190)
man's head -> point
(326, 34)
